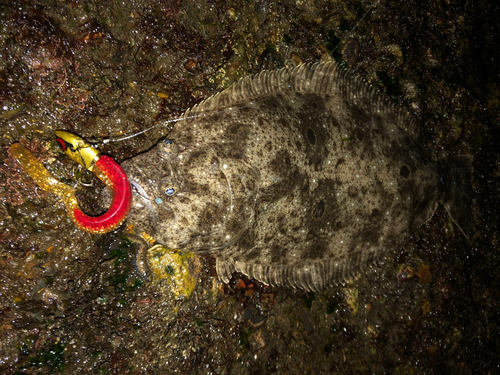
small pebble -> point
(191, 65)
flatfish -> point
(297, 177)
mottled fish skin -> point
(295, 177)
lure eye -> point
(167, 149)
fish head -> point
(191, 198)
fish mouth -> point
(139, 191)
(153, 205)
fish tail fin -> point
(456, 196)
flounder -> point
(298, 177)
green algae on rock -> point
(178, 268)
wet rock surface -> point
(75, 303)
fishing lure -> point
(104, 167)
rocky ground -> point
(75, 303)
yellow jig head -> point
(78, 149)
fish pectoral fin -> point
(243, 183)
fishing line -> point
(361, 19)
(164, 123)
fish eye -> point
(167, 149)
(169, 187)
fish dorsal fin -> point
(326, 78)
